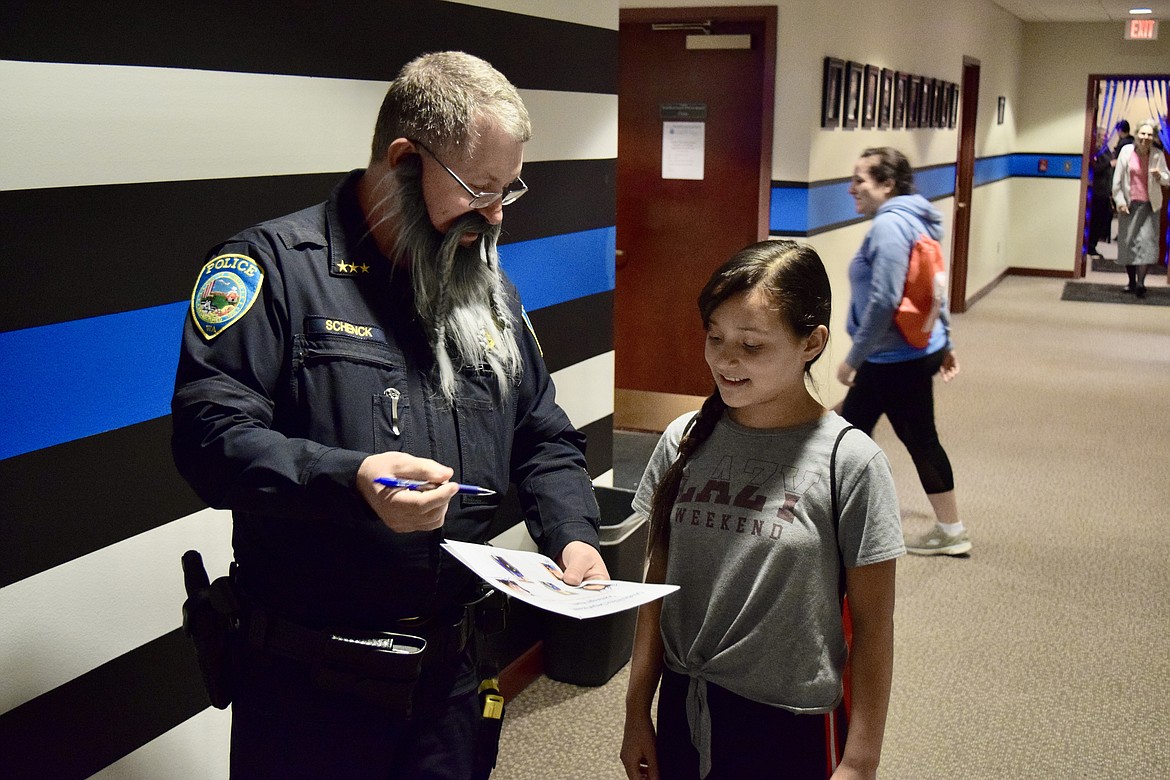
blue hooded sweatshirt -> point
(877, 277)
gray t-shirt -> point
(754, 551)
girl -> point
(750, 651)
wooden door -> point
(672, 233)
(964, 183)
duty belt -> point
(379, 666)
(436, 639)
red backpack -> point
(924, 293)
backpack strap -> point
(836, 508)
(833, 478)
(846, 707)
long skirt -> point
(1137, 235)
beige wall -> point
(1042, 229)
(1057, 62)
(927, 38)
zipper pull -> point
(393, 394)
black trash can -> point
(589, 652)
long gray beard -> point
(459, 291)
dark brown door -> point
(964, 180)
(671, 233)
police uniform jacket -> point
(301, 357)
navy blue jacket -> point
(273, 415)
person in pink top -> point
(1138, 179)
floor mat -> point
(1100, 263)
(1111, 293)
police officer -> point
(371, 336)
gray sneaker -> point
(935, 542)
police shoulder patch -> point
(528, 324)
(227, 287)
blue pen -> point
(419, 484)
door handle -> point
(961, 205)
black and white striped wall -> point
(133, 136)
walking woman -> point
(1138, 179)
(748, 656)
(885, 374)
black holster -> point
(211, 618)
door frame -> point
(964, 183)
(1080, 263)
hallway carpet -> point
(1044, 653)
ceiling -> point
(1083, 10)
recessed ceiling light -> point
(1136, 11)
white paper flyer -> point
(532, 578)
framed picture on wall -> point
(953, 119)
(870, 98)
(941, 93)
(851, 111)
(898, 113)
(1000, 105)
(913, 95)
(886, 99)
(925, 102)
(831, 92)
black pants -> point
(904, 392)
(748, 739)
(284, 727)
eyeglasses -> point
(481, 200)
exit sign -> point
(1141, 30)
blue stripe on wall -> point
(1060, 166)
(553, 270)
(788, 212)
(798, 209)
(74, 379)
(990, 169)
(935, 183)
(830, 204)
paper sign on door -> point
(682, 150)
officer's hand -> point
(403, 510)
(581, 561)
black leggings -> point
(904, 392)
